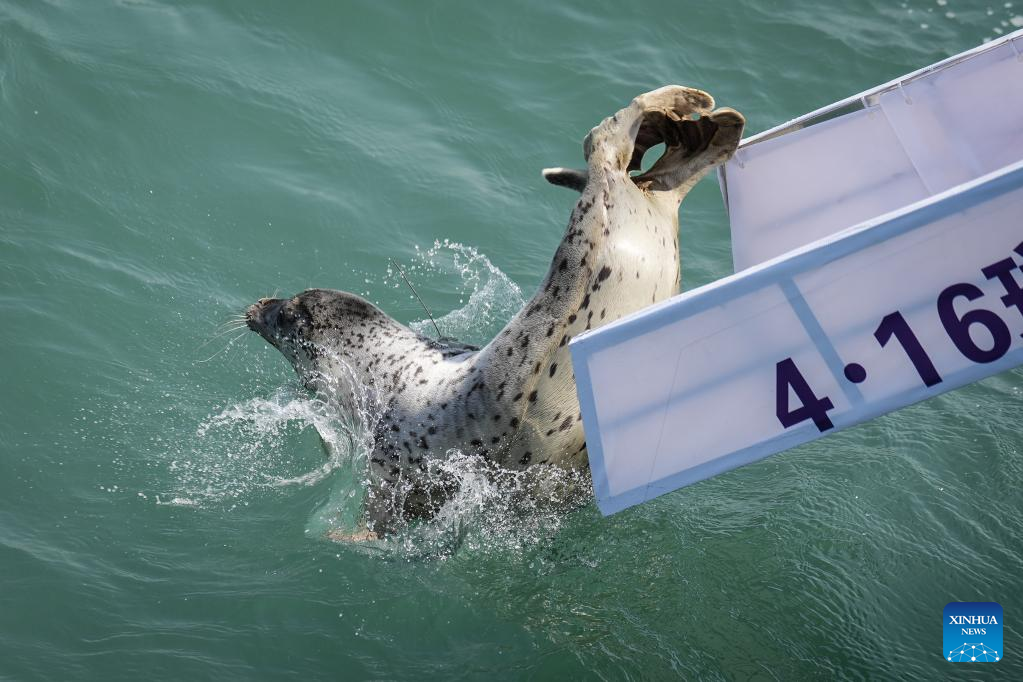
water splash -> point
(263, 443)
(495, 510)
(487, 510)
(488, 298)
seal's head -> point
(315, 324)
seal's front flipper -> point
(361, 534)
(449, 345)
(567, 177)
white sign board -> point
(890, 313)
(894, 145)
(903, 307)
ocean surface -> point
(166, 483)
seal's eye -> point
(286, 317)
(294, 315)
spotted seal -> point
(514, 401)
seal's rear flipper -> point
(567, 177)
(692, 147)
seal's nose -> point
(258, 313)
(252, 316)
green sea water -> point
(163, 488)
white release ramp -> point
(880, 249)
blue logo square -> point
(972, 632)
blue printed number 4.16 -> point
(894, 326)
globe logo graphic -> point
(971, 652)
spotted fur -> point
(514, 401)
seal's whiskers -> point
(226, 328)
(230, 343)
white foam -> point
(489, 297)
(257, 444)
